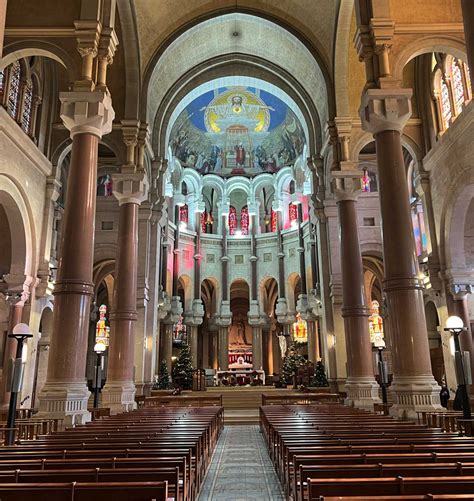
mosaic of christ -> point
(237, 130)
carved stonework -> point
(385, 109)
(130, 187)
(87, 112)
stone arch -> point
(186, 284)
(423, 45)
(42, 356)
(19, 217)
(269, 293)
(280, 25)
(293, 290)
(455, 247)
(28, 48)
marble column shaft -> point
(468, 17)
(257, 347)
(354, 309)
(193, 344)
(401, 285)
(223, 348)
(16, 312)
(124, 316)
(166, 348)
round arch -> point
(424, 45)
(29, 48)
(19, 216)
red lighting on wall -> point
(293, 213)
(232, 220)
(183, 214)
(244, 221)
(274, 221)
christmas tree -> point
(163, 382)
(319, 378)
(291, 363)
(183, 370)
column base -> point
(362, 392)
(119, 397)
(143, 389)
(414, 394)
(67, 401)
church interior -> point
(236, 250)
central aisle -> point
(241, 469)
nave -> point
(300, 452)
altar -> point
(240, 377)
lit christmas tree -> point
(163, 382)
(291, 363)
(183, 370)
(319, 378)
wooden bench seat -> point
(116, 491)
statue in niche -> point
(241, 334)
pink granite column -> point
(361, 387)
(119, 391)
(385, 113)
(87, 115)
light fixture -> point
(294, 223)
(454, 323)
(238, 233)
(99, 348)
(182, 225)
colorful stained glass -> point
(232, 220)
(365, 181)
(300, 330)
(2, 82)
(419, 229)
(459, 93)
(102, 331)
(27, 104)
(203, 222)
(376, 326)
(274, 221)
(446, 104)
(183, 214)
(244, 221)
(293, 213)
(14, 89)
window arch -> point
(451, 86)
(18, 94)
(13, 96)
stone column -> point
(17, 303)
(257, 347)
(88, 115)
(459, 294)
(3, 15)
(468, 17)
(223, 342)
(361, 387)
(130, 189)
(193, 344)
(166, 348)
(384, 112)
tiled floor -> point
(241, 469)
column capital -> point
(385, 109)
(346, 183)
(460, 291)
(84, 112)
(107, 44)
(130, 187)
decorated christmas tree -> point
(183, 370)
(163, 382)
(319, 378)
(291, 363)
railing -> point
(302, 398)
(180, 401)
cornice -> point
(418, 28)
(41, 32)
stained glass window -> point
(419, 230)
(445, 104)
(232, 220)
(468, 79)
(14, 90)
(459, 94)
(293, 213)
(2, 83)
(365, 182)
(27, 103)
(244, 221)
(274, 221)
(183, 214)
(203, 221)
